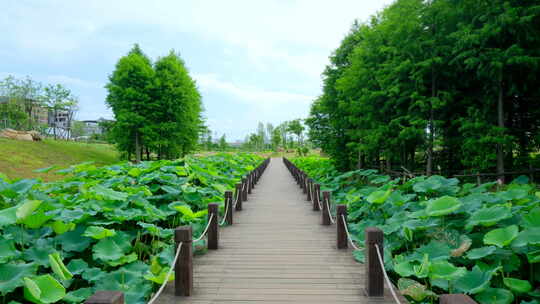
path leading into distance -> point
(276, 252)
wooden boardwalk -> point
(276, 252)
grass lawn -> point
(18, 159)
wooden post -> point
(341, 214)
(250, 182)
(238, 192)
(455, 299)
(309, 188)
(316, 196)
(244, 192)
(213, 232)
(106, 297)
(183, 270)
(304, 181)
(325, 211)
(228, 207)
(374, 273)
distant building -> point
(91, 127)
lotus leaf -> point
(413, 289)
(98, 233)
(495, 296)
(474, 281)
(489, 216)
(501, 237)
(11, 275)
(517, 285)
(445, 270)
(442, 206)
(43, 289)
(479, 253)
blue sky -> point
(252, 60)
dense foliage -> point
(442, 236)
(439, 85)
(107, 228)
(157, 107)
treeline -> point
(438, 86)
(286, 135)
(157, 106)
(26, 104)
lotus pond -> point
(442, 236)
(107, 228)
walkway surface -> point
(276, 252)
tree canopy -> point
(157, 106)
(439, 85)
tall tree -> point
(130, 98)
(176, 110)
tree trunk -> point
(360, 164)
(137, 148)
(429, 165)
(500, 124)
(147, 153)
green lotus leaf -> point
(60, 227)
(160, 277)
(103, 193)
(533, 256)
(489, 216)
(481, 252)
(474, 281)
(43, 289)
(171, 190)
(532, 218)
(502, 236)
(8, 251)
(112, 248)
(135, 172)
(517, 285)
(404, 269)
(39, 253)
(74, 240)
(11, 275)
(495, 296)
(413, 289)
(8, 216)
(445, 270)
(527, 236)
(128, 280)
(124, 260)
(36, 219)
(442, 206)
(27, 208)
(58, 266)
(77, 266)
(93, 275)
(422, 270)
(435, 250)
(98, 233)
(379, 196)
(78, 296)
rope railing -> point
(205, 229)
(225, 215)
(390, 285)
(166, 281)
(348, 234)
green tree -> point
(176, 110)
(130, 98)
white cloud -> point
(255, 96)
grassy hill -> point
(18, 159)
